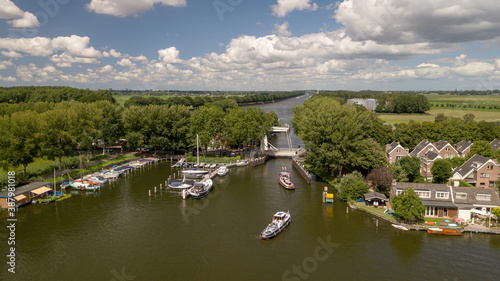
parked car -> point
(145, 149)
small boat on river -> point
(222, 171)
(201, 189)
(180, 185)
(400, 227)
(285, 180)
(280, 221)
(444, 231)
(241, 163)
(84, 185)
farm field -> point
(476, 100)
(448, 112)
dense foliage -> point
(352, 186)
(408, 206)
(340, 136)
(441, 171)
(52, 94)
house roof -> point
(392, 146)
(432, 187)
(432, 156)
(471, 195)
(25, 188)
(495, 144)
(440, 144)
(375, 195)
(439, 203)
(463, 145)
(468, 166)
(419, 147)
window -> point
(442, 195)
(423, 194)
(461, 195)
(483, 197)
(399, 191)
(431, 149)
(446, 156)
(431, 211)
(398, 151)
(485, 175)
(447, 149)
(492, 184)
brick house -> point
(445, 149)
(422, 148)
(463, 148)
(395, 151)
(436, 198)
(479, 171)
(426, 163)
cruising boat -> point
(280, 221)
(201, 189)
(285, 181)
(222, 171)
(444, 231)
(84, 185)
(241, 163)
(180, 185)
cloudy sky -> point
(251, 45)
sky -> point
(251, 45)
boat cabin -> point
(279, 216)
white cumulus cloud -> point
(283, 7)
(409, 21)
(169, 55)
(124, 8)
(282, 29)
(28, 20)
(9, 10)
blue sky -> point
(251, 45)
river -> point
(122, 234)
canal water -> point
(120, 233)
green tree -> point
(441, 171)
(411, 166)
(342, 134)
(19, 139)
(58, 133)
(351, 186)
(408, 206)
(398, 172)
(208, 122)
(483, 148)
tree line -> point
(52, 94)
(200, 100)
(55, 130)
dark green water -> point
(122, 234)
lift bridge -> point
(279, 152)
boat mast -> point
(81, 173)
(197, 151)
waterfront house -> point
(375, 199)
(436, 198)
(495, 144)
(463, 148)
(445, 149)
(395, 151)
(479, 171)
(470, 201)
(25, 194)
(369, 104)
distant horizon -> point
(277, 45)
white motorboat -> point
(280, 221)
(201, 189)
(241, 163)
(222, 171)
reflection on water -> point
(407, 244)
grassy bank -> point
(226, 160)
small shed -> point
(375, 199)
